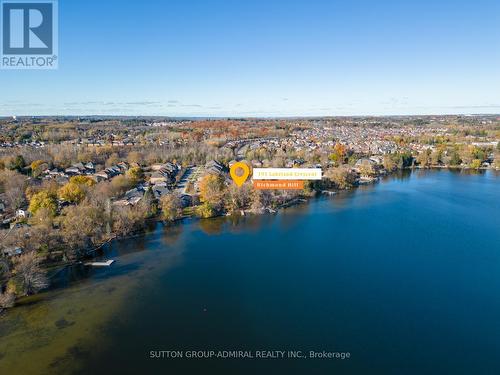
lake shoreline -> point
(98, 252)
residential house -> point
(165, 175)
(72, 171)
(160, 191)
(186, 200)
(21, 214)
(12, 251)
(101, 176)
(90, 168)
(131, 197)
(215, 167)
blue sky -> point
(266, 58)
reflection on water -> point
(212, 226)
(172, 234)
(234, 224)
(393, 268)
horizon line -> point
(248, 116)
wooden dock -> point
(100, 264)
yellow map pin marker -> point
(239, 180)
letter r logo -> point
(27, 28)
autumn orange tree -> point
(339, 153)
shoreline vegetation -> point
(62, 200)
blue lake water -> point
(404, 275)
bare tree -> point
(6, 300)
(28, 276)
(13, 185)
